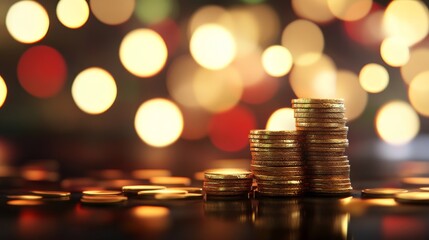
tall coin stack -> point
(227, 182)
(277, 162)
(322, 123)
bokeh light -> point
(209, 14)
(72, 13)
(355, 98)
(228, 131)
(316, 11)
(416, 64)
(94, 90)
(316, 80)
(397, 123)
(3, 93)
(349, 10)
(408, 20)
(169, 31)
(42, 71)
(373, 78)
(217, 91)
(418, 93)
(268, 23)
(277, 60)
(304, 40)
(143, 52)
(281, 119)
(150, 212)
(154, 11)
(394, 51)
(112, 12)
(27, 21)
(180, 76)
(212, 46)
(158, 122)
(250, 67)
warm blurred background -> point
(174, 84)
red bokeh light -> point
(260, 92)
(42, 71)
(170, 32)
(229, 130)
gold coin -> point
(327, 172)
(228, 173)
(275, 145)
(292, 150)
(218, 193)
(277, 194)
(101, 200)
(279, 173)
(326, 141)
(319, 115)
(226, 189)
(328, 181)
(319, 110)
(137, 188)
(278, 163)
(327, 163)
(416, 181)
(335, 177)
(161, 191)
(188, 189)
(24, 197)
(330, 185)
(178, 196)
(265, 182)
(317, 100)
(319, 125)
(265, 168)
(321, 120)
(275, 137)
(278, 177)
(323, 154)
(100, 192)
(54, 194)
(325, 149)
(229, 181)
(412, 197)
(271, 141)
(277, 158)
(318, 190)
(225, 185)
(271, 132)
(328, 168)
(318, 105)
(325, 145)
(285, 154)
(382, 192)
(327, 158)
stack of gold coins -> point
(322, 123)
(227, 182)
(277, 162)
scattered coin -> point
(382, 192)
(100, 192)
(51, 194)
(413, 197)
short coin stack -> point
(322, 123)
(277, 162)
(227, 182)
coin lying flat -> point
(319, 115)
(228, 173)
(24, 197)
(317, 100)
(278, 163)
(102, 200)
(413, 197)
(322, 120)
(321, 125)
(265, 141)
(134, 189)
(382, 192)
(275, 133)
(318, 105)
(100, 192)
(319, 110)
(51, 194)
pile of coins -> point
(277, 162)
(322, 123)
(227, 182)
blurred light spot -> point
(21, 202)
(209, 14)
(212, 46)
(373, 78)
(397, 123)
(170, 32)
(418, 93)
(154, 11)
(158, 122)
(170, 181)
(304, 40)
(27, 21)
(39, 175)
(42, 71)
(394, 52)
(196, 123)
(150, 211)
(268, 23)
(281, 119)
(229, 130)
(217, 91)
(350, 10)
(72, 13)
(94, 90)
(180, 75)
(277, 61)
(316, 11)
(416, 64)
(112, 12)
(368, 30)
(390, 202)
(316, 80)
(250, 67)
(261, 92)
(355, 98)
(143, 52)
(244, 29)
(3, 93)
(408, 20)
